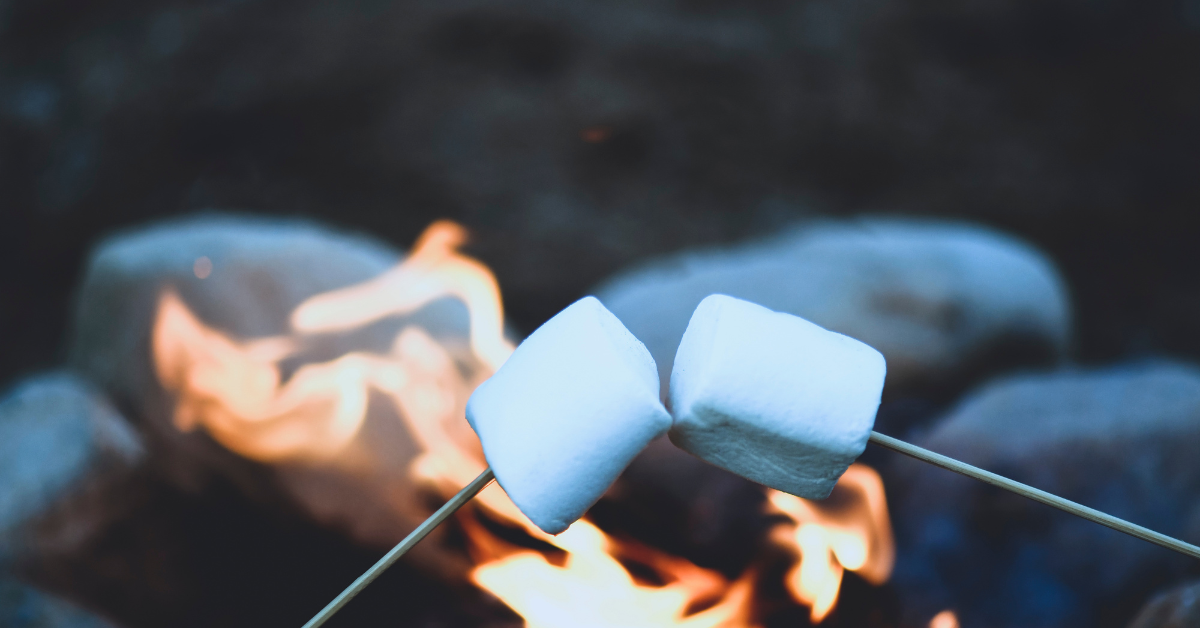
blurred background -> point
(1001, 195)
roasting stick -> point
(434, 520)
(1104, 519)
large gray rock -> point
(1122, 440)
(64, 453)
(258, 271)
(67, 463)
(1177, 608)
(933, 297)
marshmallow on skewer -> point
(567, 412)
(773, 397)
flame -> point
(944, 619)
(829, 539)
(434, 270)
(235, 390)
(592, 589)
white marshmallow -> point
(773, 397)
(567, 413)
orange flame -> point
(828, 538)
(434, 270)
(233, 389)
(593, 589)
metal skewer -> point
(434, 520)
(1024, 490)
(924, 455)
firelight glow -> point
(434, 270)
(235, 390)
(944, 619)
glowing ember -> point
(595, 134)
(849, 531)
(944, 619)
(236, 390)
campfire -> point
(270, 400)
(321, 387)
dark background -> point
(576, 137)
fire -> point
(235, 390)
(592, 589)
(434, 270)
(853, 532)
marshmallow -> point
(567, 412)
(773, 397)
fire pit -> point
(267, 405)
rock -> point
(1121, 440)
(236, 282)
(935, 298)
(22, 606)
(87, 525)
(257, 271)
(241, 275)
(67, 463)
(64, 455)
(1177, 608)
